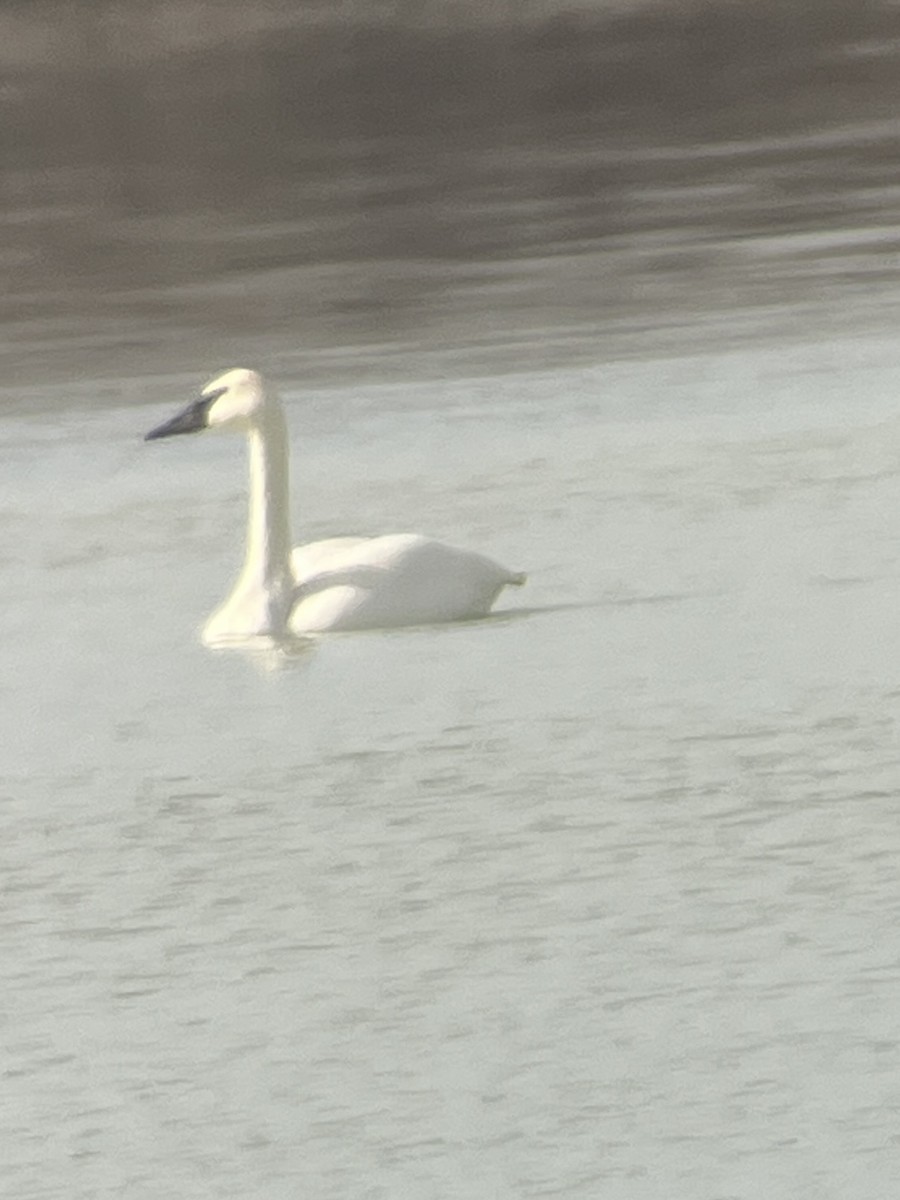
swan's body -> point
(340, 583)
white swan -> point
(340, 583)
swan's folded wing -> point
(312, 559)
(357, 575)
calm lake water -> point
(596, 898)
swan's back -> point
(313, 558)
(397, 579)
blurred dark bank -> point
(429, 189)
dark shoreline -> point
(277, 177)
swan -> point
(341, 583)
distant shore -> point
(358, 174)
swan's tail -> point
(516, 578)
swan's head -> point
(235, 400)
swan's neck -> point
(261, 601)
(267, 561)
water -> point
(595, 897)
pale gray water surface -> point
(596, 901)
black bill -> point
(189, 420)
